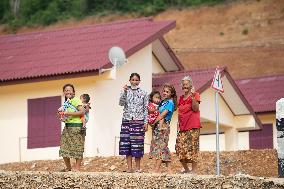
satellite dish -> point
(117, 56)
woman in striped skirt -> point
(134, 122)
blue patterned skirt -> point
(132, 138)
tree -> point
(15, 5)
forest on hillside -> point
(17, 13)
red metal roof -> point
(75, 50)
(262, 92)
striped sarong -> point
(132, 138)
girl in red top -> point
(187, 143)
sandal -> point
(128, 171)
(65, 170)
(184, 172)
(139, 171)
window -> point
(44, 127)
(261, 139)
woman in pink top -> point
(187, 143)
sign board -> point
(217, 83)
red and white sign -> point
(217, 83)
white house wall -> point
(207, 109)
(208, 142)
(156, 66)
(105, 115)
(243, 142)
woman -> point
(187, 143)
(134, 122)
(72, 137)
(159, 145)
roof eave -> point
(172, 54)
(49, 78)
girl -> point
(72, 140)
(159, 144)
(134, 122)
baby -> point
(85, 98)
(153, 107)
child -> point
(63, 108)
(159, 145)
(153, 107)
(85, 98)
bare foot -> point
(157, 171)
(128, 171)
(170, 171)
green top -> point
(74, 119)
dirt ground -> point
(261, 163)
(247, 36)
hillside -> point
(246, 36)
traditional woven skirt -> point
(159, 145)
(132, 138)
(72, 143)
(187, 145)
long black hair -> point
(134, 74)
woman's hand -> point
(125, 87)
(192, 92)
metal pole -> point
(217, 135)
(20, 147)
(20, 158)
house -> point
(35, 66)
(262, 94)
(247, 109)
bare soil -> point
(261, 163)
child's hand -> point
(65, 113)
(146, 127)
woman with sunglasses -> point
(187, 143)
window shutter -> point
(261, 139)
(44, 128)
